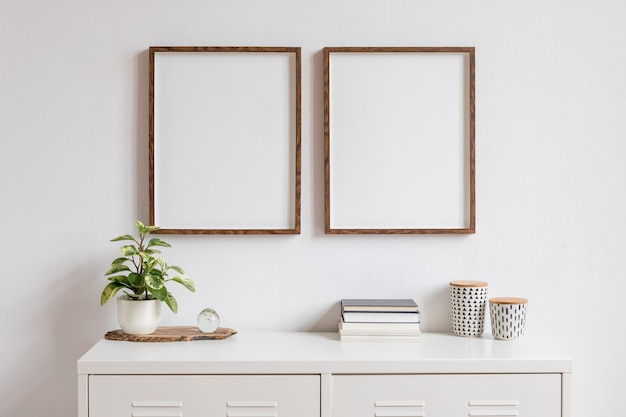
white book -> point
(379, 317)
(344, 332)
(353, 338)
(379, 328)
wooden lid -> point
(468, 284)
(508, 300)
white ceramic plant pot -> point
(138, 316)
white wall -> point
(551, 181)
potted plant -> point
(142, 273)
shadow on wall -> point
(142, 136)
(327, 321)
(56, 331)
(435, 311)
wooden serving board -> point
(171, 334)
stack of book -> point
(379, 319)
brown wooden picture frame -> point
(399, 140)
(225, 139)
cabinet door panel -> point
(528, 395)
(204, 396)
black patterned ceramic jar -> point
(508, 317)
(468, 302)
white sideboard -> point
(316, 375)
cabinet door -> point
(204, 396)
(526, 395)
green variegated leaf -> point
(117, 268)
(186, 281)
(129, 250)
(171, 302)
(148, 258)
(154, 282)
(119, 261)
(143, 229)
(177, 269)
(119, 278)
(109, 291)
(155, 241)
(123, 237)
(160, 294)
(135, 280)
(149, 264)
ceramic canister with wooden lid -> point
(468, 302)
(508, 317)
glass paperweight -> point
(208, 321)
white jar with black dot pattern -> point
(508, 317)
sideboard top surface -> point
(316, 353)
